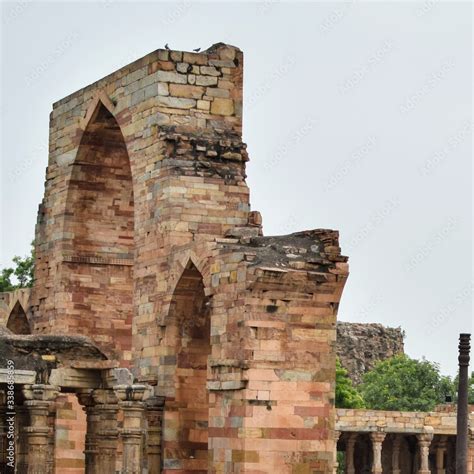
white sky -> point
(358, 117)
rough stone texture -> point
(146, 243)
(361, 345)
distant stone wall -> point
(360, 346)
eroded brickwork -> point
(146, 243)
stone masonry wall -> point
(361, 345)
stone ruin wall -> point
(361, 345)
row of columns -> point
(101, 407)
(377, 438)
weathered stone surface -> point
(360, 346)
(222, 106)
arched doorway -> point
(187, 415)
(17, 321)
(99, 238)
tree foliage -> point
(347, 395)
(401, 383)
(23, 272)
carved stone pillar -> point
(424, 442)
(337, 435)
(107, 431)
(397, 441)
(130, 401)
(377, 440)
(93, 418)
(440, 454)
(350, 445)
(40, 403)
(154, 418)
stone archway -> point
(99, 246)
(17, 321)
(187, 413)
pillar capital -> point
(377, 436)
(131, 393)
(40, 392)
(424, 439)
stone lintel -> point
(19, 377)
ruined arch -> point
(188, 337)
(17, 321)
(99, 243)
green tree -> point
(23, 271)
(347, 395)
(402, 383)
(5, 279)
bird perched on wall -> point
(166, 46)
(197, 50)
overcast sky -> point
(357, 116)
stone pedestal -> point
(424, 442)
(40, 437)
(154, 419)
(130, 401)
(107, 431)
(377, 440)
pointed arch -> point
(99, 235)
(17, 321)
(188, 337)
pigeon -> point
(197, 50)
(166, 46)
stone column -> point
(93, 418)
(350, 444)
(107, 431)
(440, 452)
(337, 435)
(397, 441)
(130, 401)
(39, 403)
(424, 442)
(154, 418)
(377, 440)
(22, 444)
